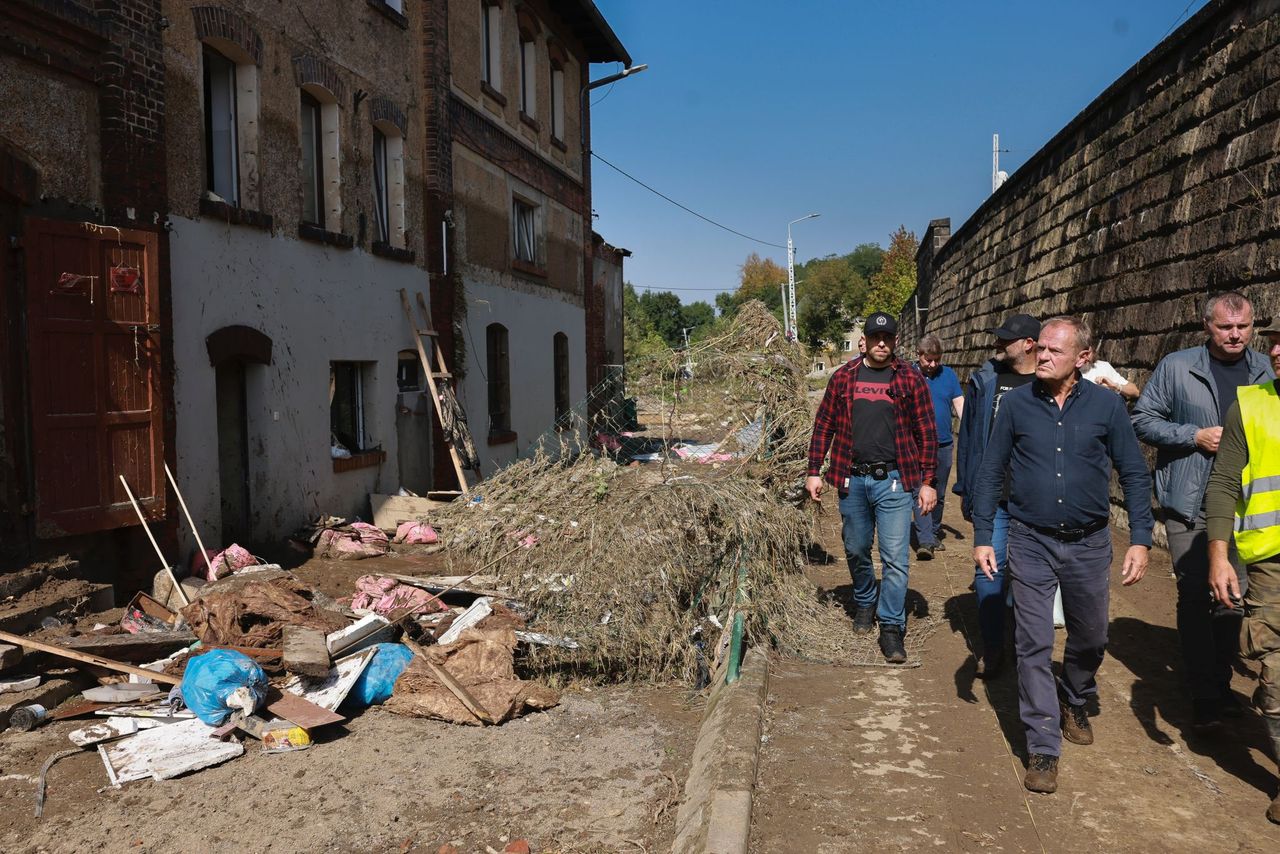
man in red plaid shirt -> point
(877, 420)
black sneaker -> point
(891, 645)
(1042, 774)
(924, 553)
(864, 619)
(1206, 714)
(940, 547)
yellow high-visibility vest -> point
(1257, 531)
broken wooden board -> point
(124, 692)
(390, 510)
(306, 652)
(79, 710)
(144, 646)
(152, 607)
(89, 658)
(479, 609)
(329, 692)
(477, 585)
(365, 632)
(159, 711)
(165, 752)
(302, 712)
(116, 727)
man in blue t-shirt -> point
(948, 398)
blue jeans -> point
(991, 593)
(881, 507)
(928, 528)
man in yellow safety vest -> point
(1243, 498)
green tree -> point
(831, 294)
(866, 259)
(758, 278)
(639, 340)
(665, 314)
(699, 315)
(893, 284)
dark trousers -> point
(1208, 632)
(1039, 564)
(928, 527)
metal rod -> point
(183, 504)
(182, 594)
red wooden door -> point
(93, 308)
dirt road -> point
(876, 759)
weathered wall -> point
(1165, 189)
(305, 307)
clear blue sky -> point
(872, 113)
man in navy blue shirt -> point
(1059, 438)
(948, 398)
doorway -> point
(233, 451)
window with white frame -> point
(528, 76)
(318, 137)
(221, 143)
(491, 44)
(557, 100)
(848, 345)
(524, 219)
(388, 185)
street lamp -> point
(596, 84)
(791, 276)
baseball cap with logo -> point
(878, 321)
(1017, 326)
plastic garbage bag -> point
(373, 688)
(220, 682)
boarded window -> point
(560, 367)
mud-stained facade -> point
(295, 141)
(520, 213)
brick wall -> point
(1162, 191)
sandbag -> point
(222, 681)
(356, 541)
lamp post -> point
(596, 84)
(791, 277)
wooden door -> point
(93, 309)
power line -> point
(685, 208)
(1176, 20)
(673, 290)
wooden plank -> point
(103, 731)
(63, 652)
(302, 712)
(166, 752)
(455, 687)
(144, 646)
(479, 609)
(330, 691)
(390, 510)
(368, 630)
(128, 692)
(79, 710)
(305, 651)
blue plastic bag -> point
(211, 679)
(374, 685)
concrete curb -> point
(715, 813)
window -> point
(560, 356)
(221, 155)
(312, 161)
(388, 185)
(557, 101)
(528, 78)
(848, 345)
(490, 44)
(408, 371)
(346, 404)
(523, 220)
(499, 376)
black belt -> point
(1071, 535)
(879, 470)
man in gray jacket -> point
(1180, 413)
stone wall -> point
(1162, 191)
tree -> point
(698, 315)
(758, 278)
(893, 284)
(866, 259)
(665, 314)
(639, 340)
(831, 295)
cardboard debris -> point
(165, 752)
(254, 613)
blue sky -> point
(873, 113)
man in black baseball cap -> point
(1012, 365)
(877, 322)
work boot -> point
(924, 552)
(1042, 774)
(1273, 730)
(891, 644)
(1075, 725)
(864, 619)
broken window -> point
(347, 385)
(498, 374)
(560, 368)
(523, 220)
(220, 142)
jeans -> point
(991, 593)
(928, 527)
(880, 507)
(1040, 564)
(1208, 632)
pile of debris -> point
(258, 657)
